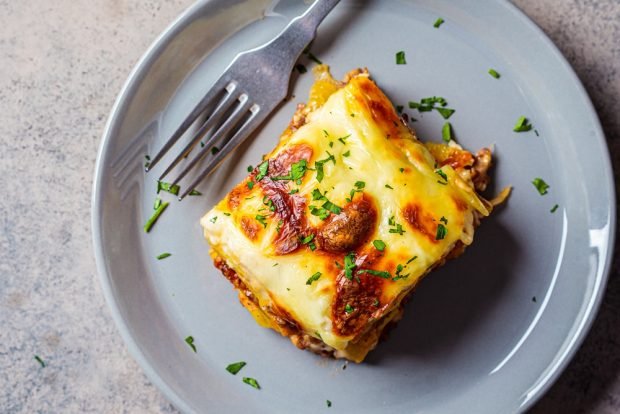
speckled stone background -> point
(62, 63)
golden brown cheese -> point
(327, 236)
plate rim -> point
(139, 71)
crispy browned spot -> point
(381, 109)
(420, 221)
(281, 164)
(459, 203)
(237, 193)
(349, 229)
(250, 227)
(361, 293)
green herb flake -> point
(320, 212)
(328, 402)
(412, 259)
(213, 219)
(389, 186)
(443, 220)
(294, 191)
(442, 174)
(349, 265)
(261, 219)
(399, 108)
(343, 140)
(401, 169)
(540, 185)
(215, 150)
(494, 73)
(328, 205)
(441, 232)
(167, 187)
(438, 22)
(226, 214)
(250, 184)
(251, 382)
(163, 256)
(190, 341)
(157, 203)
(279, 226)
(325, 133)
(301, 68)
(379, 245)
(522, 125)
(298, 170)
(250, 168)
(40, 361)
(262, 170)
(400, 58)
(446, 132)
(554, 208)
(313, 278)
(348, 308)
(445, 112)
(379, 273)
(151, 221)
(195, 193)
(346, 154)
(235, 367)
(307, 239)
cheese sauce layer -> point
(344, 217)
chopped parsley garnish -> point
(279, 226)
(215, 150)
(400, 58)
(151, 221)
(319, 212)
(380, 273)
(343, 139)
(250, 168)
(294, 191)
(317, 196)
(441, 232)
(308, 53)
(325, 133)
(348, 308)
(313, 278)
(442, 174)
(446, 132)
(250, 184)
(494, 73)
(399, 108)
(318, 165)
(252, 382)
(195, 193)
(301, 68)
(412, 259)
(262, 170)
(522, 125)
(443, 220)
(445, 112)
(298, 170)
(346, 154)
(401, 169)
(227, 214)
(213, 219)
(399, 275)
(438, 22)
(163, 256)
(157, 203)
(328, 402)
(308, 240)
(540, 185)
(328, 205)
(262, 220)
(167, 187)
(554, 208)
(235, 367)
(349, 265)
(397, 227)
(190, 341)
(379, 245)
(389, 186)
(359, 187)
(40, 361)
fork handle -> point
(291, 42)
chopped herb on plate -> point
(540, 185)
(235, 367)
(400, 58)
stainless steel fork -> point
(245, 94)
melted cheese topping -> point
(358, 126)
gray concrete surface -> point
(62, 64)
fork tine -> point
(217, 114)
(216, 89)
(224, 129)
(242, 133)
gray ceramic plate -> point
(489, 331)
